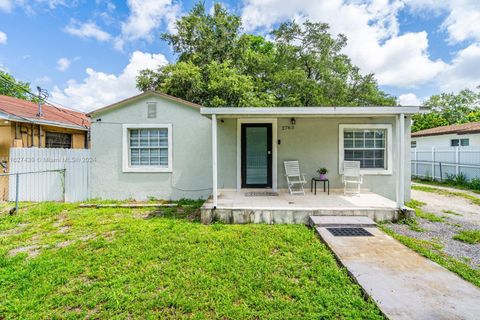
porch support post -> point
(401, 140)
(214, 160)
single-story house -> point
(456, 135)
(156, 145)
(21, 126)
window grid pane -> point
(365, 146)
(148, 147)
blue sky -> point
(87, 53)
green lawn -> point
(122, 263)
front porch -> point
(236, 207)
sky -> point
(86, 53)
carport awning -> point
(311, 111)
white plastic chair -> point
(294, 177)
(352, 176)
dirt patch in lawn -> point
(32, 251)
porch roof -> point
(311, 111)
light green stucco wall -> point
(192, 168)
(314, 142)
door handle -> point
(269, 152)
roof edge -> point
(144, 94)
(365, 110)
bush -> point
(457, 179)
(474, 184)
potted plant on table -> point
(323, 173)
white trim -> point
(298, 111)
(366, 126)
(214, 161)
(126, 164)
(273, 121)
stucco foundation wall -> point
(192, 160)
(314, 142)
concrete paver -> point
(404, 284)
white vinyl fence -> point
(49, 174)
(439, 163)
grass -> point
(468, 236)
(452, 212)
(473, 199)
(416, 205)
(432, 251)
(117, 263)
(445, 184)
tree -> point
(449, 108)
(218, 65)
(9, 86)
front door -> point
(256, 155)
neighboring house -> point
(22, 126)
(155, 145)
(456, 135)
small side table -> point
(325, 182)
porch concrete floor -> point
(404, 284)
(229, 199)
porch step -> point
(341, 221)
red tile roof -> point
(464, 128)
(28, 110)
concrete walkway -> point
(404, 284)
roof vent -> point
(152, 110)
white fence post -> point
(433, 163)
(416, 162)
(457, 161)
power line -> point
(50, 104)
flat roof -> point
(311, 111)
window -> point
(460, 142)
(413, 144)
(58, 140)
(147, 148)
(368, 144)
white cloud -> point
(147, 15)
(63, 64)
(464, 71)
(372, 28)
(43, 80)
(87, 30)
(100, 89)
(6, 5)
(409, 99)
(462, 20)
(3, 37)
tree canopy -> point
(449, 108)
(9, 86)
(219, 65)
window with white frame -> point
(147, 148)
(367, 144)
